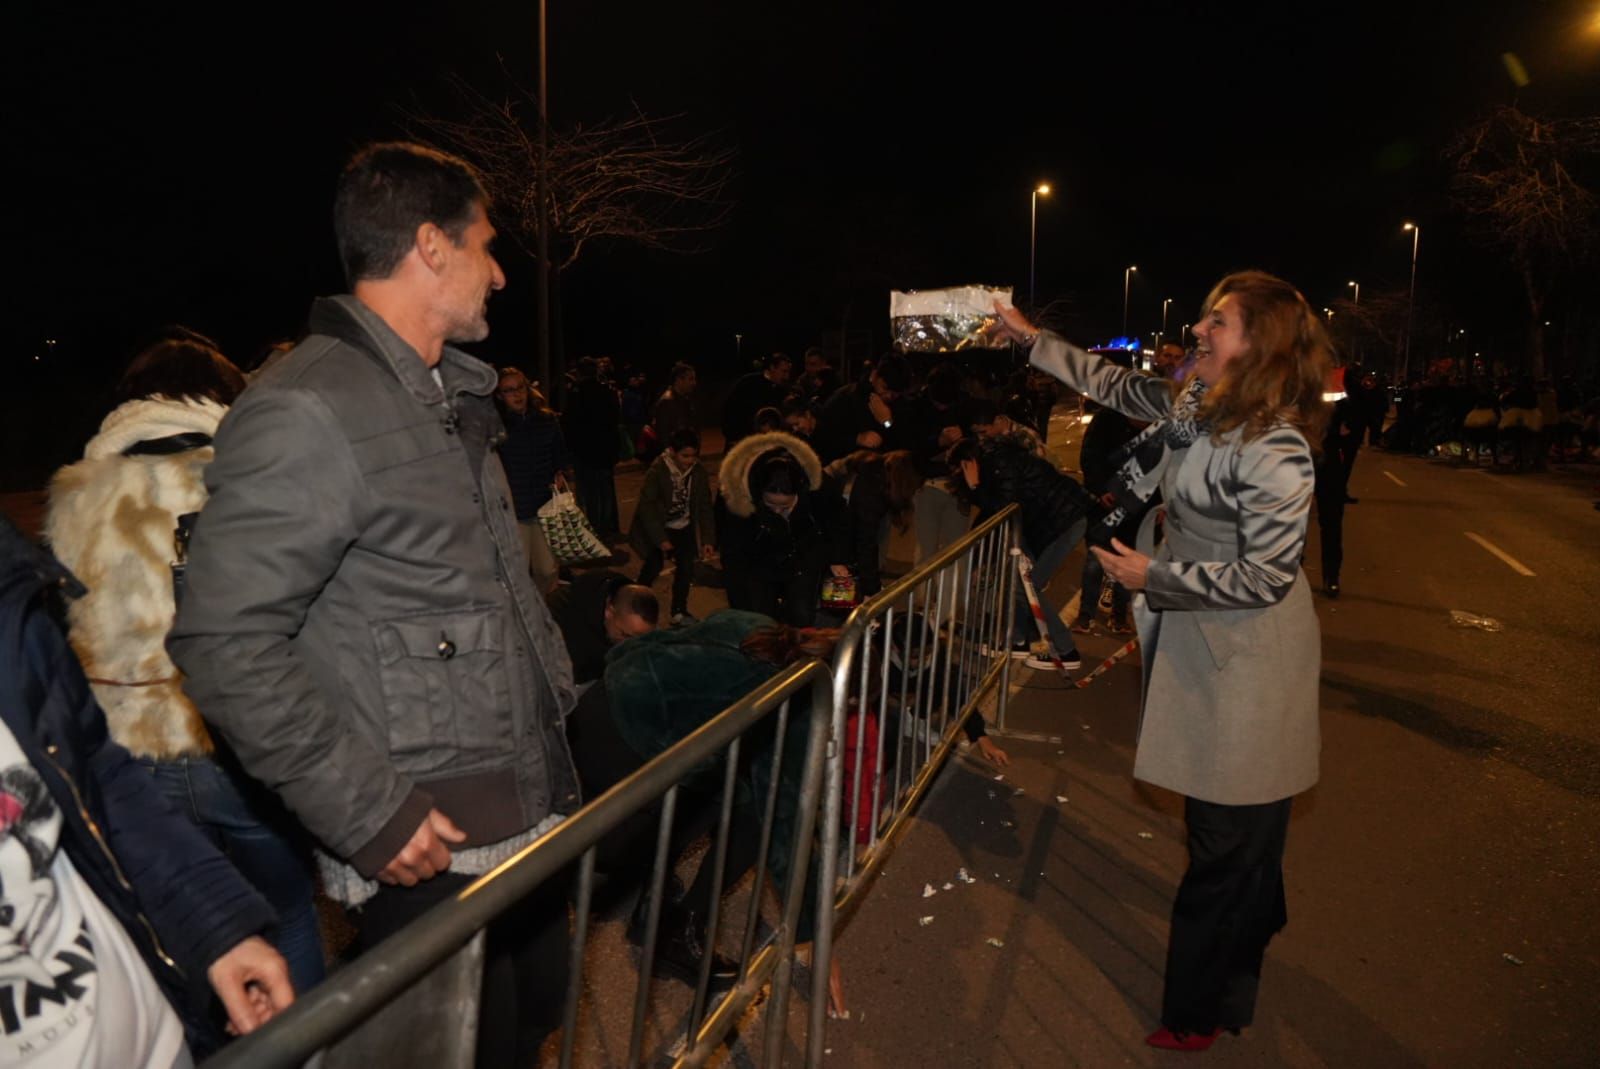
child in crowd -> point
(674, 517)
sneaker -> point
(1120, 627)
(1083, 627)
(1022, 647)
(1105, 596)
(1045, 662)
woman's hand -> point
(840, 571)
(969, 472)
(991, 753)
(1013, 326)
(1126, 566)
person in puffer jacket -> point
(113, 518)
(772, 535)
(1055, 516)
(118, 920)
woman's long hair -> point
(783, 645)
(901, 479)
(1280, 377)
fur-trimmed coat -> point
(111, 520)
(771, 565)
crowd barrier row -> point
(920, 657)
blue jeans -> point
(253, 831)
(1045, 565)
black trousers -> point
(1331, 488)
(1229, 906)
(525, 962)
(686, 550)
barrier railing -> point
(912, 664)
(359, 990)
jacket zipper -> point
(94, 829)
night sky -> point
(177, 164)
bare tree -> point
(1513, 176)
(623, 178)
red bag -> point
(859, 812)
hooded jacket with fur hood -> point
(111, 520)
(772, 563)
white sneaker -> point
(1043, 660)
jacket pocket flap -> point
(438, 635)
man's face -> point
(683, 385)
(881, 388)
(801, 423)
(513, 393)
(815, 365)
(780, 372)
(621, 626)
(469, 276)
(684, 459)
(1169, 356)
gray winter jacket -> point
(358, 622)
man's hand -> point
(252, 980)
(708, 552)
(666, 545)
(991, 753)
(426, 855)
(869, 440)
(879, 409)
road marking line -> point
(1516, 565)
(1395, 478)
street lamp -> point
(1041, 190)
(1411, 297)
(1357, 287)
(1164, 305)
(1329, 313)
(1183, 336)
(1127, 277)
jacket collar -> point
(350, 321)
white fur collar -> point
(152, 417)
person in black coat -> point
(864, 415)
(1055, 515)
(766, 388)
(534, 456)
(771, 528)
(1101, 455)
(864, 490)
(79, 810)
(590, 422)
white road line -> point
(1516, 565)
(1395, 478)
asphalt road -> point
(1442, 877)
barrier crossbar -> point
(352, 995)
(913, 663)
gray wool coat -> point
(1232, 650)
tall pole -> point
(1127, 277)
(1357, 286)
(1411, 298)
(1355, 302)
(1164, 306)
(1042, 189)
(541, 192)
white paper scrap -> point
(928, 891)
(925, 921)
(992, 941)
(1146, 835)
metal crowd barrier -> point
(919, 658)
(361, 989)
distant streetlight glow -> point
(1040, 190)
(1127, 278)
(1411, 296)
(1357, 287)
(1164, 306)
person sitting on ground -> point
(674, 516)
(866, 489)
(118, 912)
(772, 537)
(1055, 516)
(596, 611)
(862, 415)
(534, 456)
(119, 517)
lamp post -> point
(1183, 336)
(1357, 287)
(541, 194)
(1040, 190)
(1329, 313)
(1164, 306)
(1127, 278)
(1411, 298)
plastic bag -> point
(1459, 618)
(944, 320)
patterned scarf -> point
(1139, 477)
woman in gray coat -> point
(1232, 648)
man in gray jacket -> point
(359, 623)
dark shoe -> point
(1188, 1042)
(1083, 627)
(1071, 661)
(1348, 500)
(680, 945)
(1120, 627)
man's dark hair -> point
(981, 412)
(181, 365)
(894, 371)
(820, 353)
(679, 370)
(773, 360)
(684, 438)
(387, 191)
(636, 600)
(767, 419)
(795, 404)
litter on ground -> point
(924, 921)
(928, 891)
(992, 941)
(1146, 835)
(1061, 798)
(1513, 959)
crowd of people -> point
(321, 641)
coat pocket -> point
(1228, 632)
(446, 696)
